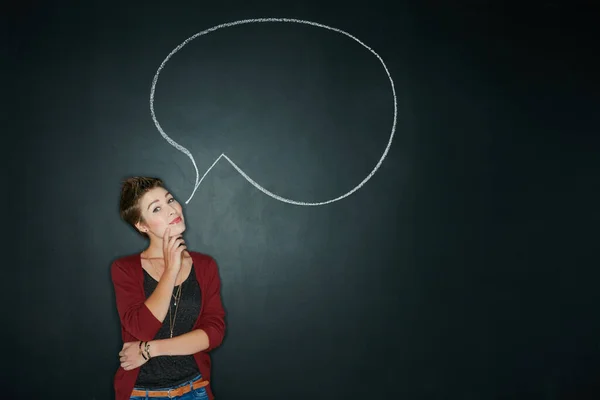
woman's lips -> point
(175, 221)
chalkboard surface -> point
(402, 199)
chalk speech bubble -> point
(224, 156)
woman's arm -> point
(143, 317)
(183, 345)
(212, 320)
(140, 317)
(160, 299)
(211, 326)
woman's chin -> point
(176, 229)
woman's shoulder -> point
(125, 267)
(126, 262)
(128, 259)
(205, 266)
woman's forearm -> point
(159, 301)
(183, 345)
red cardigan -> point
(138, 322)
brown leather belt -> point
(180, 391)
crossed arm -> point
(142, 318)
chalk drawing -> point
(223, 156)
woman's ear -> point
(141, 227)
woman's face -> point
(160, 211)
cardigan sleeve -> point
(136, 318)
(212, 320)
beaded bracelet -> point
(147, 348)
(142, 351)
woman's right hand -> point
(173, 246)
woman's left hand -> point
(131, 356)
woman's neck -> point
(154, 250)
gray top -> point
(168, 371)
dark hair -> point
(132, 191)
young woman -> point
(168, 300)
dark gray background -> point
(465, 268)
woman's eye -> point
(171, 199)
(156, 209)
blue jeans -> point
(194, 394)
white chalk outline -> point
(262, 189)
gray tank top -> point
(168, 371)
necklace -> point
(176, 304)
